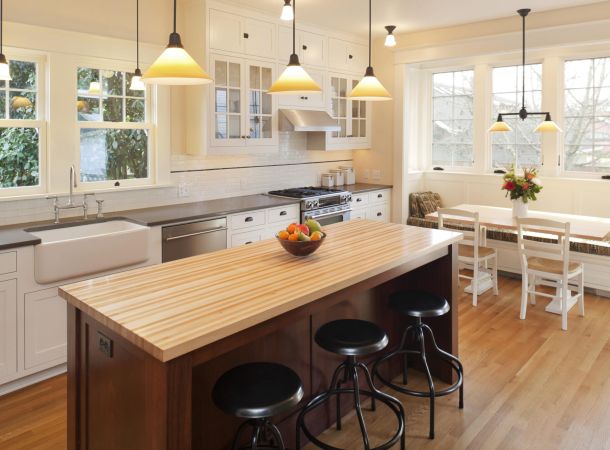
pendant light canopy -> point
(390, 39)
(370, 88)
(287, 12)
(136, 80)
(294, 80)
(5, 73)
(175, 66)
(548, 126)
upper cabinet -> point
(307, 101)
(353, 116)
(312, 48)
(347, 56)
(237, 34)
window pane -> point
(22, 105)
(130, 93)
(113, 154)
(442, 108)
(85, 77)
(135, 110)
(442, 84)
(23, 75)
(113, 109)
(88, 109)
(113, 82)
(2, 105)
(19, 157)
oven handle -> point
(334, 213)
(182, 236)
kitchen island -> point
(146, 346)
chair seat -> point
(419, 304)
(467, 251)
(351, 337)
(258, 390)
(551, 265)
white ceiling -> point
(409, 15)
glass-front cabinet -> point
(351, 115)
(243, 114)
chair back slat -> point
(462, 218)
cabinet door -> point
(226, 32)
(249, 237)
(259, 38)
(227, 107)
(313, 49)
(357, 58)
(358, 214)
(260, 120)
(8, 328)
(359, 130)
(339, 106)
(308, 101)
(45, 328)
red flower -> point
(509, 186)
(525, 186)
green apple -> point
(303, 237)
(313, 226)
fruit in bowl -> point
(301, 239)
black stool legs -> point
(265, 435)
(419, 330)
(350, 373)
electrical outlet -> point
(183, 190)
(104, 343)
(376, 174)
(367, 174)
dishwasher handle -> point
(182, 236)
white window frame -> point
(40, 122)
(149, 125)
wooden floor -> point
(528, 385)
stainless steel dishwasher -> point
(193, 238)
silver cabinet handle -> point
(358, 199)
(283, 213)
(335, 213)
(249, 219)
(182, 236)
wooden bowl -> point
(301, 248)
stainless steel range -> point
(322, 204)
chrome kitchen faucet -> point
(70, 205)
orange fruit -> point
(283, 235)
(316, 236)
(292, 228)
(293, 237)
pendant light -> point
(294, 79)
(5, 73)
(287, 12)
(547, 126)
(370, 88)
(175, 66)
(390, 39)
(136, 80)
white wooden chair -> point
(548, 264)
(472, 253)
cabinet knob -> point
(379, 214)
(304, 47)
(246, 35)
(379, 195)
(358, 199)
(283, 213)
(249, 219)
(304, 97)
(350, 56)
(249, 242)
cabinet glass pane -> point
(267, 78)
(255, 77)
(221, 126)
(355, 109)
(342, 108)
(334, 86)
(255, 127)
(266, 128)
(343, 88)
(343, 124)
(266, 104)
(234, 127)
(355, 131)
(221, 100)
(234, 75)
(234, 101)
(255, 102)
(220, 73)
(362, 128)
(363, 110)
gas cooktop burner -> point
(306, 192)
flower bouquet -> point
(521, 189)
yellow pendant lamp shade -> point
(499, 126)
(548, 126)
(370, 88)
(294, 80)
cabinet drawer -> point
(283, 214)
(248, 220)
(379, 196)
(377, 212)
(246, 238)
(359, 200)
(359, 213)
(8, 262)
(8, 328)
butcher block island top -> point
(171, 309)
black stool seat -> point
(419, 304)
(258, 390)
(351, 337)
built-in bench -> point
(594, 254)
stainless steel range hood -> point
(315, 125)
(306, 120)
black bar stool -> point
(419, 304)
(258, 391)
(352, 338)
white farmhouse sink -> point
(75, 251)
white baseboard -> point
(32, 379)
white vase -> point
(519, 208)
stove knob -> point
(348, 198)
(308, 204)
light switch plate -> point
(376, 174)
(183, 190)
(366, 173)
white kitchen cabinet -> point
(353, 116)
(312, 48)
(248, 237)
(236, 34)
(378, 212)
(253, 226)
(358, 213)
(248, 219)
(8, 328)
(373, 205)
(307, 101)
(347, 56)
(289, 213)
(242, 112)
(45, 328)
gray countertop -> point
(14, 236)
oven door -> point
(326, 218)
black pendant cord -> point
(137, 34)
(370, 27)
(175, 9)
(523, 65)
(1, 25)
(294, 27)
